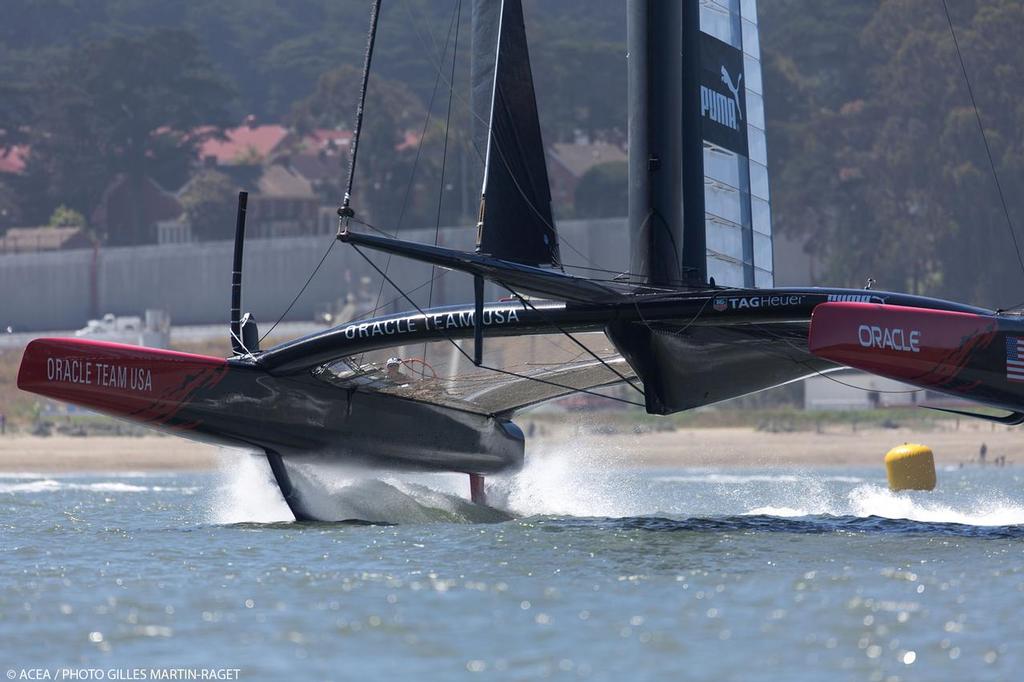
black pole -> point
(695, 261)
(345, 211)
(653, 29)
(236, 275)
(478, 320)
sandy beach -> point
(704, 447)
(746, 447)
(98, 453)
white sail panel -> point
(737, 201)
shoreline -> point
(733, 447)
(750, 448)
(70, 454)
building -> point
(247, 144)
(284, 204)
(28, 239)
(321, 157)
(569, 162)
(856, 390)
(281, 203)
(851, 389)
(130, 209)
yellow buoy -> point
(910, 467)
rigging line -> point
(374, 16)
(984, 138)
(572, 389)
(825, 375)
(444, 159)
(488, 367)
(371, 314)
(667, 289)
(444, 150)
(559, 238)
(379, 230)
(618, 273)
(440, 72)
(435, 61)
(412, 174)
(656, 289)
(303, 289)
(671, 238)
(575, 340)
(480, 155)
(690, 323)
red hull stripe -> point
(148, 385)
(923, 347)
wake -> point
(871, 500)
(589, 480)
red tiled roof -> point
(244, 141)
(13, 160)
(410, 140)
(325, 138)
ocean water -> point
(587, 571)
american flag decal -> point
(1015, 358)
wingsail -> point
(731, 125)
(515, 208)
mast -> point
(698, 168)
(654, 42)
(488, 144)
(695, 262)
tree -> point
(384, 160)
(13, 113)
(581, 86)
(208, 206)
(603, 191)
(10, 211)
(66, 217)
(138, 106)
(876, 157)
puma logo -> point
(734, 89)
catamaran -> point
(696, 320)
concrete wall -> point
(44, 291)
(855, 390)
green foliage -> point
(10, 210)
(275, 53)
(603, 191)
(876, 158)
(66, 217)
(209, 208)
(123, 105)
(385, 162)
(874, 151)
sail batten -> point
(516, 223)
